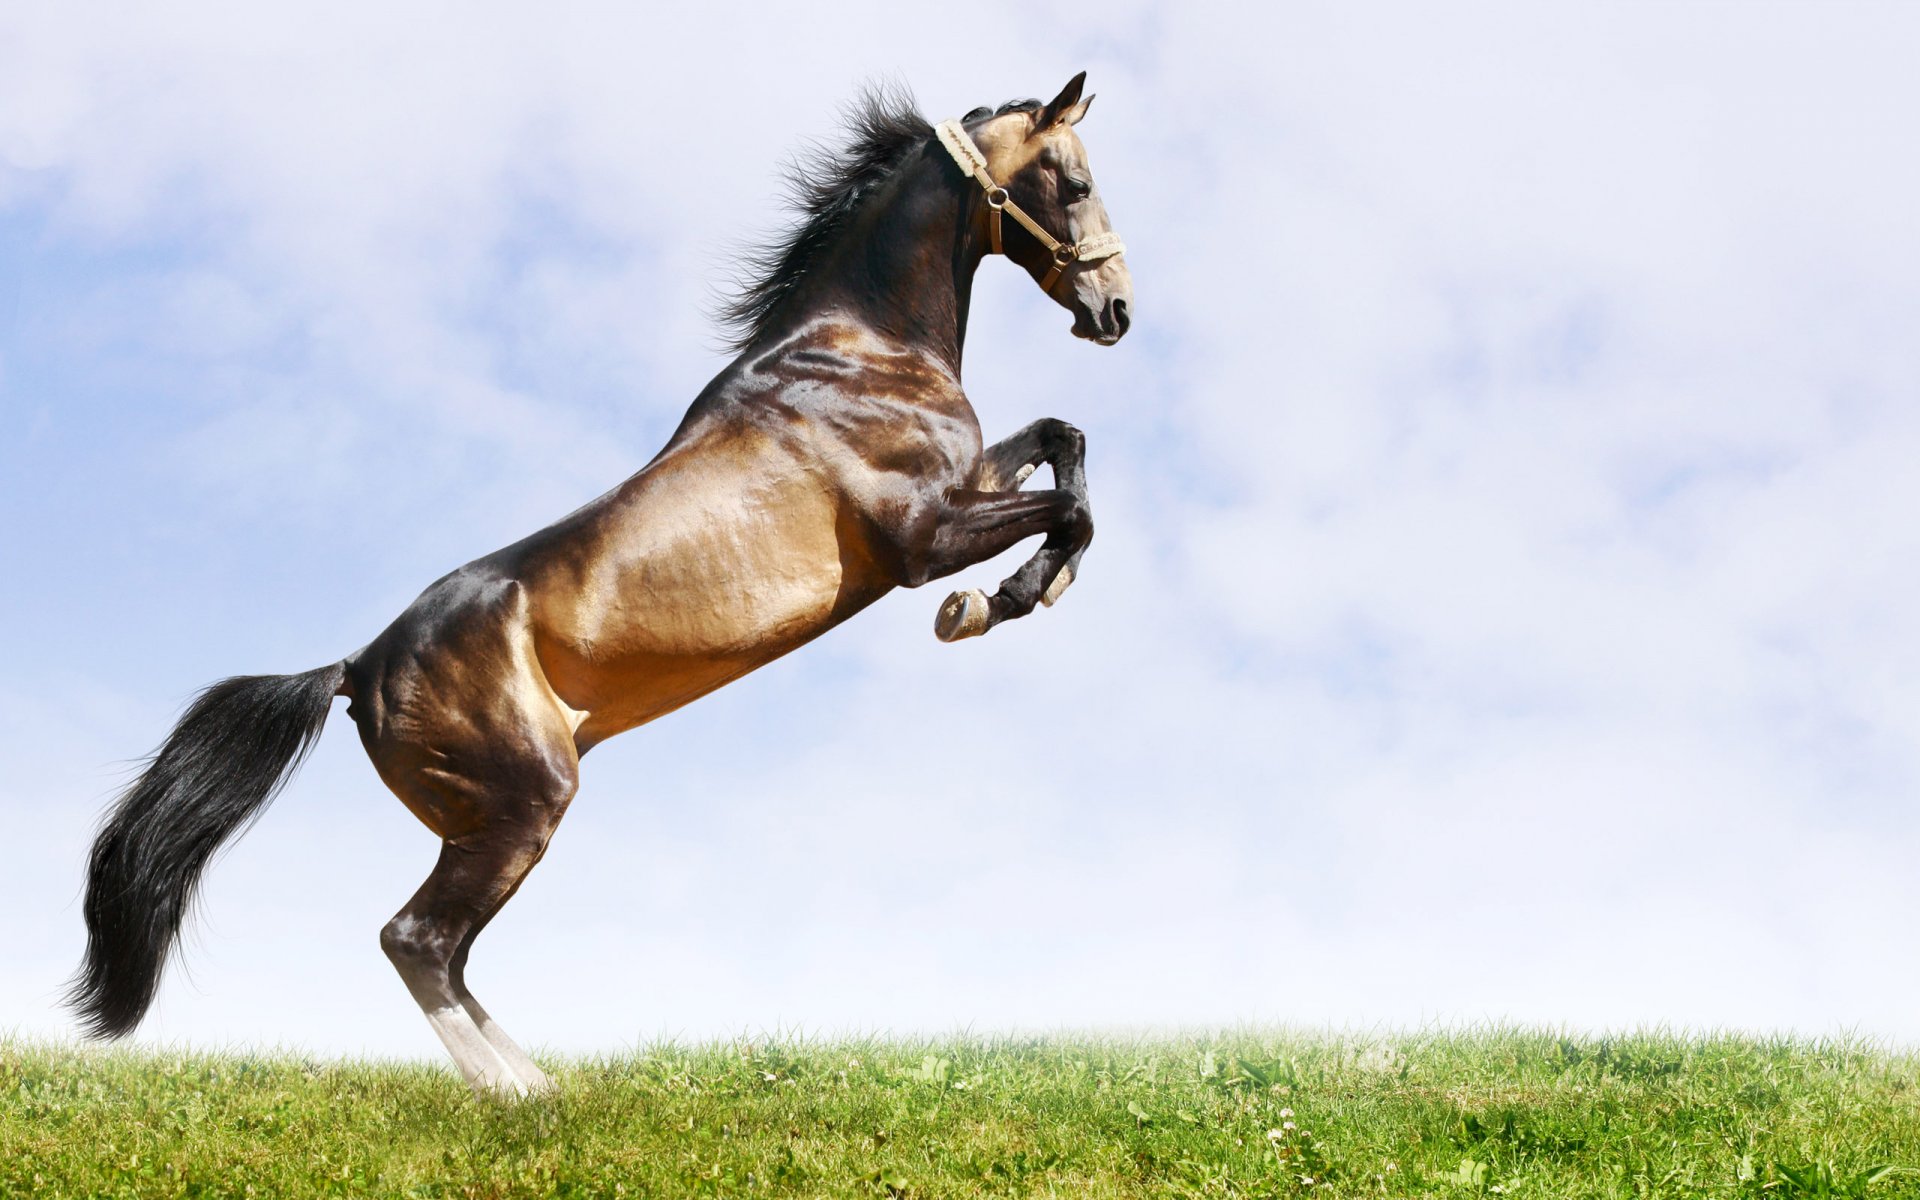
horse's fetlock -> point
(1012, 602)
(1080, 521)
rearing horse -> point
(835, 459)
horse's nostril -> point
(1120, 318)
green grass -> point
(1452, 1114)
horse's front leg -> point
(1007, 464)
(976, 525)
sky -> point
(1504, 600)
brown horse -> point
(835, 459)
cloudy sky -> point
(1505, 600)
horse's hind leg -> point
(517, 1060)
(496, 816)
(429, 939)
(461, 723)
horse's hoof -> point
(535, 1082)
(964, 615)
(502, 1086)
(513, 1086)
(1061, 583)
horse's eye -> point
(1078, 189)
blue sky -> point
(1503, 598)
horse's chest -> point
(919, 455)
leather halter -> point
(974, 163)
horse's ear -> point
(1060, 107)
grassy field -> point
(1498, 1112)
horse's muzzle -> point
(1107, 328)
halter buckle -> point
(997, 197)
(1065, 253)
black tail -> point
(239, 741)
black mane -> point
(828, 187)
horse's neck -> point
(904, 267)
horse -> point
(834, 459)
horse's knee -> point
(1062, 441)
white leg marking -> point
(480, 1064)
(523, 1067)
(1060, 583)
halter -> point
(974, 163)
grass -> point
(1451, 1114)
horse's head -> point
(1035, 155)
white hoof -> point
(501, 1085)
(1061, 583)
(964, 615)
(542, 1086)
(533, 1081)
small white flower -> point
(1307, 1179)
(1274, 1135)
(1286, 1124)
(769, 1076)
(1496, 1188)
(1285, 1113)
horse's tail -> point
(239, 741)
